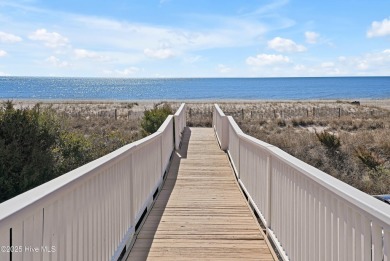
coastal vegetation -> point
(39, 142)
(154, 118)
(26, 142)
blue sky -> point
(173, 38)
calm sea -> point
(194, 89)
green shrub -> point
(154, 118)
(302, 122)
(295, 122)
(73, 150)
(368, 158)
(36, 145)
(281, 123)
(263, 122)
(376, 125)
(26, 141)
(330, 141)
(131, 105)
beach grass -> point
(361, 159)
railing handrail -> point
(180, 110)
(165, 123)
(219, 110)
(219, 125)
(180, 123)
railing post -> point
(221, 127)
(180, 123)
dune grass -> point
(349, 142)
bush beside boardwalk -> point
(26, 141)
(38, 144)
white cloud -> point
(163, 53)
(299, 67)
(268, 8)
(311, 37)
(86, 54)
(82, 53)
(373, 63)
(3, 53)
(267, 59)
(379, 28)
(3, 74)
(366, 64)
(51, 39)
(9, 38)
(380, 58)
(129, 44)
(57, 62)
(285, 45)
(342, 58)
(327, 64)
(128, 71)
(192, 59)
(363, 65)
(220, 32)
(221, 68)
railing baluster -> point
(376, 242)
(386, 242)
(327, 250)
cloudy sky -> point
(203, 38)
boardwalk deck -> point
(200, 213)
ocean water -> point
(48, 88)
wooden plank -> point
(200, 213)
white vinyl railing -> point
(180, 123)
(221, 127)
(308, 214)
(91, 212)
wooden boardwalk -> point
(200, 213)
